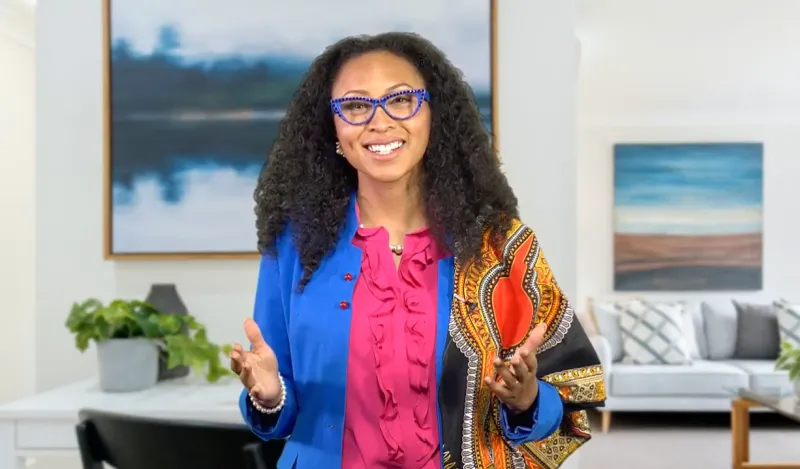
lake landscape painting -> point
(688, 216)
(197, 88)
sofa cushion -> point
(652, 333)
(694, 330)
(719, 318)
(788, 322)
(700, 378)
(757, 336)
(606, 318)
(763, 375)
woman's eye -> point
(354, 105)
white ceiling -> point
(679, 58)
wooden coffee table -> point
(746, 399)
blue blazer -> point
(309, 333)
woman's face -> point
(383, 149)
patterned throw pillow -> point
(652, 333)
(788, 321)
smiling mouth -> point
(385, 149)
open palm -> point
(258, 367)
(515, 383)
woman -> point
(404, 317)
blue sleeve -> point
(545, 417)
(270, 317)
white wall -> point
(688, 62)
(17, 195)
(538, 68)
(716, 70)
(537, 90)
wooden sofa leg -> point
(606, 421)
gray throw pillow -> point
(757, 336)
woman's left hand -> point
(517, 386)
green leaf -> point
(789, 360)
(174, 358)
(82, 339)
(782, 363)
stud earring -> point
(339, 150)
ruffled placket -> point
(405, 295)
(380, 322)
(420, 342)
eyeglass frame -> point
(421, 93)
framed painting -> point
(688, 217)
(195, 90)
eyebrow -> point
(386, 91)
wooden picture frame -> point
(114, 252)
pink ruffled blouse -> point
(390, 403)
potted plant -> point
(789, 360)
(130, 335)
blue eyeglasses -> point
(402, 105)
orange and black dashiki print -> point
(498, 301)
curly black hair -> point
(305, 185)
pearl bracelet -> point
(271, 410)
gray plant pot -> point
(127, 365)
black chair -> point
(131, 442)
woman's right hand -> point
(258, 367)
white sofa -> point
(717, 367)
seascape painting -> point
(197, 89)
(688, 217)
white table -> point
(44, 424)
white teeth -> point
(384, 149)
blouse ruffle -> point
(420, 342)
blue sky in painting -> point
(688, 188)
(303, 28)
